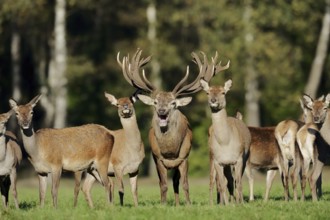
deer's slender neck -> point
(29, 141)
(2, 147)
(131, 130)
(308, 117)
(220, 126)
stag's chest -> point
(169, 144)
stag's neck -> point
(30, 143)
(2, 147)
(221, 126)
(131, 130)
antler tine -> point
(124, 68)
(176, 88)
(131, 71)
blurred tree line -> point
(271, 46)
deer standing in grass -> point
(285, 134)
(306, 136)
(10, 158)
(75, 149)
(229, 139)
(321, 117)
(170, 135)
(128, 149)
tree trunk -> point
(57, 70)
(251, 81)
(321, 53)
(155, 66)
(16, 80)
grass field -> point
(150, 207)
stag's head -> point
(4, 117)
(318, 107)
(165, 103)
(125, 105)
(24, 113)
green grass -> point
(150, 207)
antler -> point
(131, 71)
(206, 72)
(209, 69)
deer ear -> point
(308, 101)
(34, 101)
(183, 101)
(204, 85)
(146, 99)
(112, 99)
(320, 98)
(228, 85)
(12, 103)
(327, 99)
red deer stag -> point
(170, 135)
(321, 117)
(75, 149)
(128, 149)
(10, 157)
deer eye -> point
(173, 104)
(155, 102)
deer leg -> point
(222, 184)
(249, 174)
(4, 187)
(294, 180)
(314, 177)
(211, 185)
(56, 175)
(86, 188)
(134, 188)
(238, 181)
(304, 172)
(269, 181)
(176, 183)
(42, 188)
(13, 180)
(162, 175)
(119, 178)
(319, 186)
(183, 168)
(77, 180)
(285, 180)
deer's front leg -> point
(13, 180)
(162, 175)
(56, 175)
(77, 180)
(42, 188)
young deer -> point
(128, 150)
(170, 135)
(10, 158)
(75, 149)
(229, 140)
(285, 134)
(306, 136)
(321, 117)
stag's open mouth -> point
(163, 120)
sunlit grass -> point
(150, 207)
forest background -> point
(66, 50)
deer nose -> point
(316, 118)
(213, 100)
(125, 106)
(161, 111)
